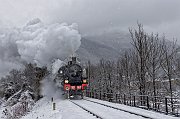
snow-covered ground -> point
(106, 112)
(67, 110)
(64, 110)
(136, 110)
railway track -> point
(119, 109)
(90, 112)
(85, 104)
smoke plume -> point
(38, 43)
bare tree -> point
(153, 67)
(167, 63)
(119, 76)
(126, 64)
(141, 46)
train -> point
(72, 78)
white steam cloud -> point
(55, 66)
(37, 43)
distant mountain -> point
(107, 46)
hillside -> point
(107, 46)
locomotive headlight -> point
(66, 81)
(61, 72)
(84, 81)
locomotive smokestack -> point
(73, 60)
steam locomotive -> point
(72, 78)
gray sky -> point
(161, 16)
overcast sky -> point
(161, 16)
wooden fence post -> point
(166, 104)
(134, 101)
(124, 99)
(148, 106)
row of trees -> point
(20, 89)
(150, 67)
(28, 78)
